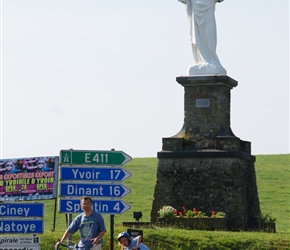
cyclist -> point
(91, 225)
(131, 244)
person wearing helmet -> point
(131, 244)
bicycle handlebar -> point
(64, 245)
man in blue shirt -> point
(91, 225)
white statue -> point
(203, 37)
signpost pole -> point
(112, 226)
(111, 232)
(70, 237)
(54, 214)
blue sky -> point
(97, 75)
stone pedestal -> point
(205, 166)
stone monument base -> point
(205, 166)
(209, 180)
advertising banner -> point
(25, 179)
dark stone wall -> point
(209, 184)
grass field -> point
(273, 180)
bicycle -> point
(69, 247)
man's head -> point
(124, 238)
(86, 203)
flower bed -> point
(191, 219)
(268, 227)
(267, 222)
(207, 223)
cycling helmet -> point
(123, 234)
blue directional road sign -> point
(72, 206)
(21, 209)
(21, 226)
(93, 174)
(73, 189)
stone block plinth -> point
(205, 165)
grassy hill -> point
(273, 180)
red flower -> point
(213, 212)
(175, 211)
(180, 213)
(194, 210)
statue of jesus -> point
(203, 37)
